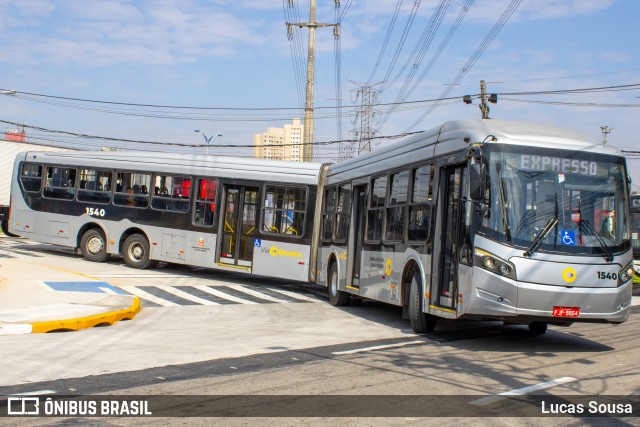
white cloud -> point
(102, 33)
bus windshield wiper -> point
(504, 212)
(550, 225)
(606, 252)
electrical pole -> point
(605, 130)
(308, 109)
(484, 107)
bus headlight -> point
(494, 264)
(625, 274)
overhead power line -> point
(573, 104)
(15, 93)
(178, 144)
(506, 15)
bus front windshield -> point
(556, 200)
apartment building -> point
(280, 143)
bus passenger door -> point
(359, 211)
(446, 283)
(239, 225)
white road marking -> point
(188, 296)
(294, 295)
(377, 347)
(519, 392)
(254, 293)
(16, 329)
(223, 295)
(142, 294)
(142, 276)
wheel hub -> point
(136, 251)
(95, 245)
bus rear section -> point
(9, 150)
(485, 220)
(245, 215)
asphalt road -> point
(285, 339)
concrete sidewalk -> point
(35, 298)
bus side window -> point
(171, 197)
(328, 214)
(375, 214)
(343, 212)
(396, 205)
(60, 183)
(128, 189)
(284, 210)
(420, 204)
(205, 202)
(31, 178)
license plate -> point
(566, 312)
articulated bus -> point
(250, 215)
(482, 219)
(475, 219)
(635, 235)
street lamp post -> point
(207, 138)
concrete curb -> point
(74, 324)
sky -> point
(232, 67)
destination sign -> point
(532, 162)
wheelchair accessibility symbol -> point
(568, 237)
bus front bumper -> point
(520, 302)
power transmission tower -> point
(308, 109)
(363, 131)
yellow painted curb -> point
(103, 319)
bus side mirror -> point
(476, 182)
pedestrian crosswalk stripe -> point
(229, 293)
(224, 295)
(188, 296)
(261, 295)
(294, 295)
(134, 290)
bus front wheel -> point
(94, 246)
(135, 251)
(420, 322)
(537, 328)
(336, 296)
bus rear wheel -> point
(421, 322)
(4, 225)
(336, 296)
(135, 252)
(94, 246)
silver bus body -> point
(247, 194)
(476, 258)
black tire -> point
(356, 302)
(4, 225)
(93, 245)
(538, 328)
(336, 296)
(421, 323)
(135, 252)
